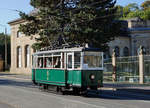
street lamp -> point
(5, 45)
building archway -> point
(126, 51)
(19, 57)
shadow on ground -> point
(121, 94)
(4, 74)
(9, 82)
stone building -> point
(124, 45)
(21, 50)
(128, 45)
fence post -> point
(114, 66)
(141, 66)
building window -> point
(126, 51)
(18, 34)
(27, 56)
(117, 51)
(19, 57)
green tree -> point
(59, 22)
(145, 5)
(2, 47)
(133, 6)
(135, 14)
(119, 11)
(132, 10)
(129, 9)
(146, 14)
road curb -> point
(10, 77)
(107, 88)
(135, 90)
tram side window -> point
(40, 62)
(57, 62)
(62, 60)
(70, 61)
(48, 62)
(77, 58)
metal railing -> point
(108, 69)
(133, 69)
(147, 68)
(127, 69)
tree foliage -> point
(119, 11)
(133, 10)
(60, 22)
(146, 4)
(2, 47)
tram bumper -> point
(92, 79)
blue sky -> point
(125, 2)
(7, 15)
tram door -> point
(69, 61)
(69, 68)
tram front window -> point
(92, 60)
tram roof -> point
(80, 49)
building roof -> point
(134, 19)
(15, 21)
(76, 49)
(33, 12)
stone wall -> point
(121, 42)
(21, 41)
(140, 39)
(136, 23)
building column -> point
(23, 57)
(13, 51)
(141, 66)
(114, 77)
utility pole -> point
(5, 48)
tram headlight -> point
(92, 77)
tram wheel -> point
(76, 91)
(84, 93)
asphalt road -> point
(19, 93)
(5, 105)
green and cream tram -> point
(77, 69)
